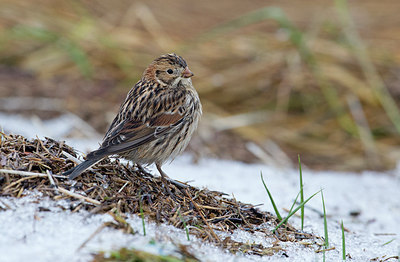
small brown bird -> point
(156, 120)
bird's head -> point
(169, 70)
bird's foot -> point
(143, 170)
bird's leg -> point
(166, 178)
(141, 169)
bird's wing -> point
(130, 134)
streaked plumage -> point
(156, 120)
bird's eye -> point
(170, 71)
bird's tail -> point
(76, 171)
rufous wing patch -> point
(166, 119)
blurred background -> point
(276, 78)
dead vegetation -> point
(120, 190)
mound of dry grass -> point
(119, 189)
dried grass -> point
(118, 189)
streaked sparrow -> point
(156, 120)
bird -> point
(156, 120)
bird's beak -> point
(187, 73)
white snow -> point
(29, 234)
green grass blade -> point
(343, 242)
(184, 225)
(142, 213)
(294, 202)
(326, 244)
(325, 222)
(294, 211)
(271, 199)
(390, 241)
(301, 193)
